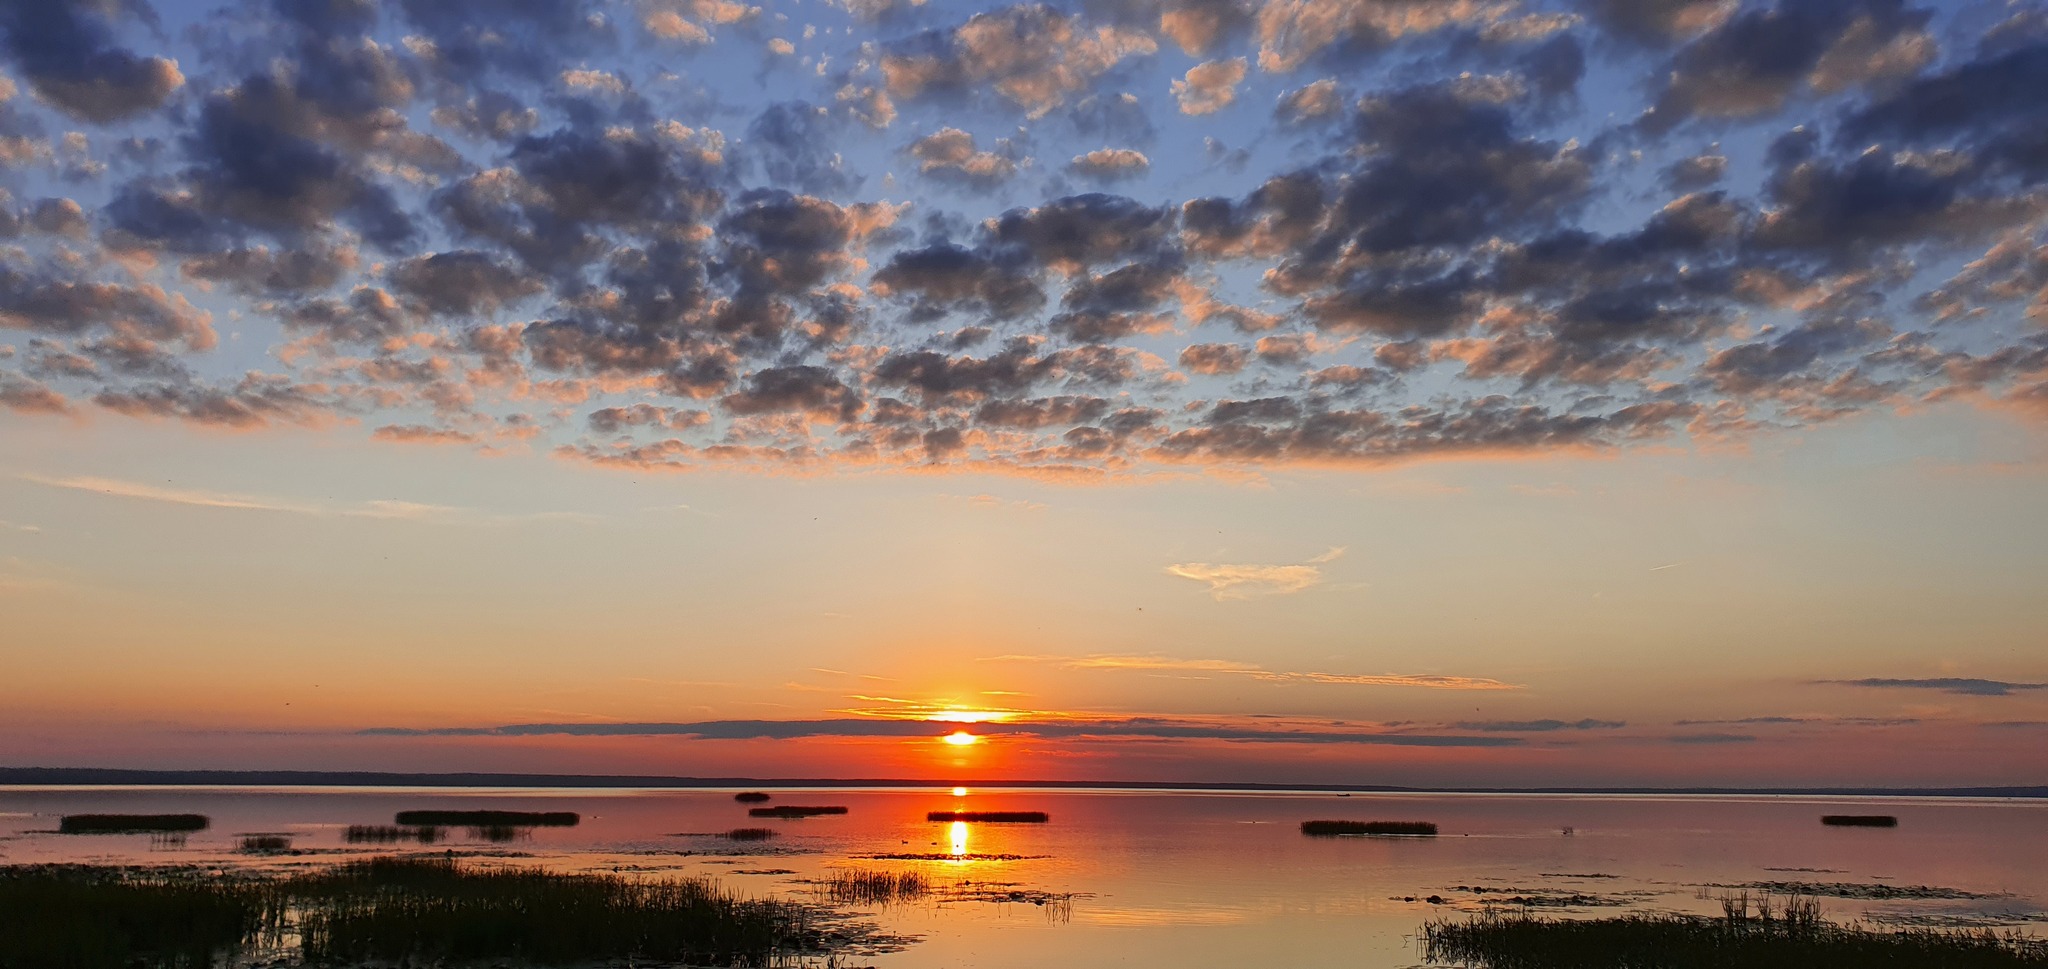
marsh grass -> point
(499, 833)
(132, 823)
(750, 834)
(74, 918)
(1332, 828)
(1753, 933)
(795, 811)
(265, 844)
(872, 886)
(385, 834)
(991, 817)
(750, 797)
(1859, 820)
(491, 819)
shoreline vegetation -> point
(389, 910)
(133, 823)
(490, 819)
(1330, 829)
(991, 817)
(1752, 933)
(796, 811)
(1859, 820)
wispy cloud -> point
(1962, 686)
(1246, 581)
(1152, 728)
(7, 526)
(1538, 726)
(1711, 738)
(387, 509)
(1235, 668)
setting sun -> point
(961, 738)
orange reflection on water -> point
(959, 833)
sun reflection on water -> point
(959, 832)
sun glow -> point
(961, 738)
(969, 716)
(959, 792)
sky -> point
(1413, 392)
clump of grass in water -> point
(870, 886)
(1751, 934)
(996, 817)
(750, 834)
(750, 797)
(1859, 820)
(265, 844)
(795, 811)
(487, 819)
(132, 823)
(426, 909)
(1329, 828)
(75, 918)
(389, 834)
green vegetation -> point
(750, 834)
(132, 823)
(79, 918)
(265, 844)
(1860, 820)
(489, 819)
(795, 811)
(991, 817)
(384, 834)
(750, 797)
(1794, 937)
(388, 910)
(1329, 828)
(869, 886)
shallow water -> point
(1178, 879)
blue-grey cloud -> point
(1146, 728)
(1962, 686)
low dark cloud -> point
(1961, 686)
(1138, 728)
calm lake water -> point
(1178, 879)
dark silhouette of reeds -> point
(750, 797)
(483, 819)
(991, 817)
(72, 918)
(795, 811)
(1794, 936)
(1860, 820)
(1330, 828)
(384, 834)
(132, 823)
(751, 834)
(869, 886)
(264, 844)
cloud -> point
(1210, 86)
(388, 509)
(1104, 729)
(1960, 686)
(1249, 581)
(1538, 726)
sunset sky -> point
(1419, 392)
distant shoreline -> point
(108, 777)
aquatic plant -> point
(390, 834)
(261, 844)
(996, 817)
(750, 797)
(65, 917)
(1793, 937)
(1860, 820)
(795, 811)
(871, 886)
(751, 834)
(1329, 828)
(132, 823)
(481, 819)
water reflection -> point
(959, 838)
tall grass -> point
(132, 823)
(1860, 820)
(795, 811)
(997, 817)
(424, 910)
(1795, 937)
(750, 834)
(265, 844)
(385, 834)
(1329, 828)
(71, 918)
(486, 819)
(871, 886)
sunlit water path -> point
(1182, 879)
